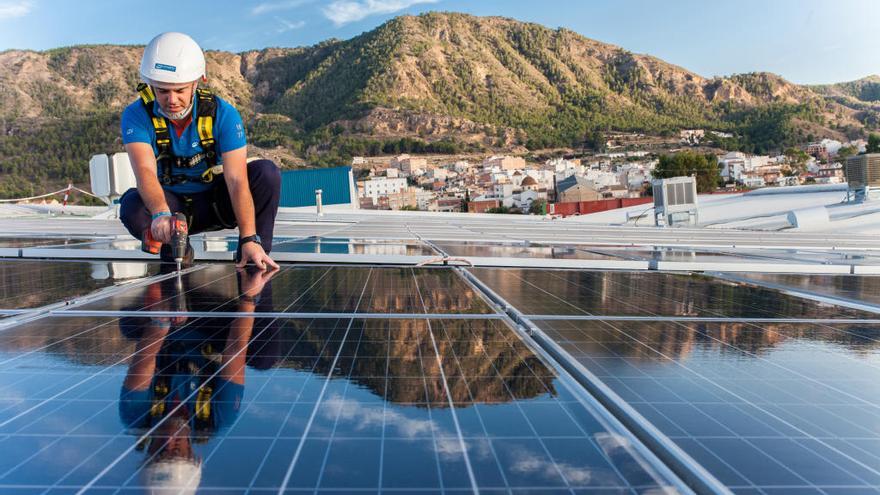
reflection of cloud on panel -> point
(364, 417)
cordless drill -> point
(179, 233)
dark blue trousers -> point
(212, 210)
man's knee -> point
(264, 174)
(132, 211)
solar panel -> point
(382, 378)
(761, 406)
(385, 249)
(238, 405)
(582, 292)
(30, 284)
(314, 289)
(22, 242)
(862, 288)
(519, 251)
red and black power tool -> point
(179, 233)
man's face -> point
(174, 98)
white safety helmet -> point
(172, 58)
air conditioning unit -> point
(675, 201)
(863, 176)
(110, 176)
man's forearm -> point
(144, 167)
(243, 206)
(152, 195)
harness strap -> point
(166, 159)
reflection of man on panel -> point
(186, 378)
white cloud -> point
(9, 10)
(287, 25)
(266, 7)
(345, 11)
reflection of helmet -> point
(172, 58)
(174, 476)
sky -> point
(805, 41)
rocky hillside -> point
(450, 79)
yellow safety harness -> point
(166, 159)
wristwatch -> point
(251, 238)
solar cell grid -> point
(21, 242)
(861, 288)
(338, 404)
(26, 284)
(296, 289)
(323, 404)
(760, 406)
(582, 292)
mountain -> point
(866, 89)
(435, 82)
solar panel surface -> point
(306, 289)
(338, 379)
(862, 288)
(586, 293)
(323, 404)
(762, 406)
(30, 284)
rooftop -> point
(406, 352)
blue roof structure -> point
(298, 186)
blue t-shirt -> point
(228, 135)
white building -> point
(424, 198)
(409, 165)
(505, 162)
(753, 181)
(461, 166)
(524, 199)
(832, 146)
(392, 173)
(381, 186)
(735, 164)
(544, 177)
(503, 190)
(601, 178)
(438, 173)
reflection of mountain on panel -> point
(483, 361)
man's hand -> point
(161, 229)
(252, 252)
(252, 281)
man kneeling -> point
(189, 154)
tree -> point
(846, 151)
(797, 160)
(873, 143)
(538, 207)
(688, 163)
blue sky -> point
(805, 41)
